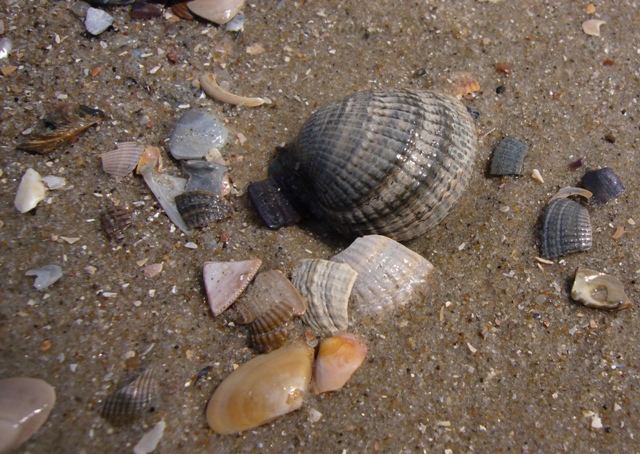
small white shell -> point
(30, 191)
(327, 287)
(389, 274)
(45, 276)
(122, 160)
(592, 26)
(54, 182)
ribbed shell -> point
(114, 221)
(122, 160)
(201, 208)
(271, 204)
(389, 274)
(224, 282)
(327, 287)
(566, 229)
(131, 399)
(508, 157)
(603, 183)
(390, 162)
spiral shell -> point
(390, 162)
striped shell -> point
(134, 397)
(389, 162)
(566, 229)
(508, 157)
(122, 160)
(327, 287)
(389, 274)
(114, 221)
(201, 208)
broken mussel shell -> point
(60, 127)
(599, 290)
(201, 208)
(566, 228)
(327, 287)
(134, 396)
(114, 221)
(508, 157)
(389, 274)
(224, 282)
(25, 404)
(338, 358)
(267, 307)
(262, 389)
(391, 162)
(603, 183)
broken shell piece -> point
(327, 287)
(508, 157)
(603, 183)
(273, 207)
(114, 221)
(224, 282)
(205, 176)
(53, 182)
(570, 191)
(31, 191)
(262, 389)
(211, 88)
(599, 290)
(592, 26)
(5, 47)
(217, 11)
(25, 404)
(537, 176)
(164, 187)
(195, 133)
(133, 397)
(199, 209)
(123, 159)
(338, 358)
(566, 229)
(149, 441)
(389, 274)
(45, 276)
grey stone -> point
(195, 133)
(97, 21)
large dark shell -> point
(508, 157)
(603, 183)
(133, 397)
(390, 162)
(566, 229)
(201, 208)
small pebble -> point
(79, 9)
(97, 21)
(152, 270)
(191, 245)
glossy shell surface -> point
(338, 358)
(389, 274)
(508, 157)
(327, 287)
(389, 162)
(262, 389)
(603, 183)
(566, 229)
(599, 290)
(131, 399)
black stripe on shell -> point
(132, 398)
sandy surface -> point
(498, 358)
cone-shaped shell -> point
(25, 404)
(327, 287)
(566, 229)
(122, 160)
(390, 162)
(338, 358)
(224, 282)
(389, 274)
(262, 389)
(132, 398)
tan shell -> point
(217, 11)
(224, 282)
(389, 274)
(327, 287)
(267, 308)
(588, 283)
(262, 389)
(338, 358)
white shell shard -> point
(592, 26)
(25, 404)
(149, 441)
(122, 160)
(570, 191)
(5, 47)
(389, 274)
(327, 287)
(599, 290)
(210, 86)
(53, 182)
(224, 282)
(338, 358)
(45, 276)
(262, 389)
(97, 21)
(30, 191)
(217, 11)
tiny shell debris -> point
(31, 191)
(592, 26)
(196, 132)
(123, 159)
(54, 182)
(45, 276)
(618, 232)
(217, 11)
(151, 271)
(5, 47)
(150, 439)
(212, 89)
(224, 282)
(508, 157)
(537, 176)
(599, 290)
(97, 21)
(114, 221)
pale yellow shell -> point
(338, 358)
